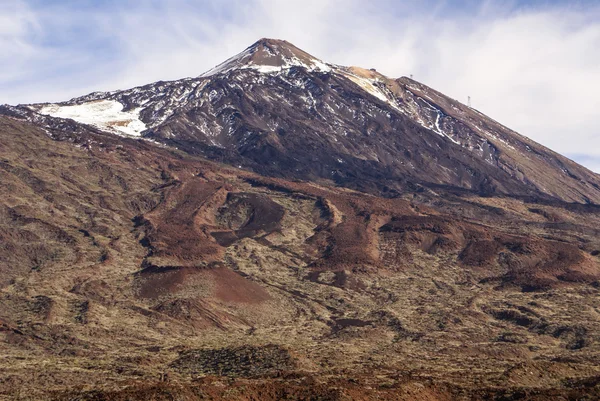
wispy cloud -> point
(531, 65)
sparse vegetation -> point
(130, 271)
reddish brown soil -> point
(231, 287)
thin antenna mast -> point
(469, 101)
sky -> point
(532, 65)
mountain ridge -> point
(221, 114)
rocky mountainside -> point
(284, 228)
(277, 110)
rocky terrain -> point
(284, 228)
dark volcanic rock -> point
(245, 361)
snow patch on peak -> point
(370, 83)
(107, 115)
(269, 56)
(229, 64)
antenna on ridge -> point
(411, 76)
(469, 101)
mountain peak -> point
(272, 41)
(269, 55)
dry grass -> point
(110, 272)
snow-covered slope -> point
(107, 115)
(269, 56)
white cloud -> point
(17, 23)
(535, 69)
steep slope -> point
(519, 156)
(277, 110)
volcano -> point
(284, 227)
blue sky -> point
(532, 65)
